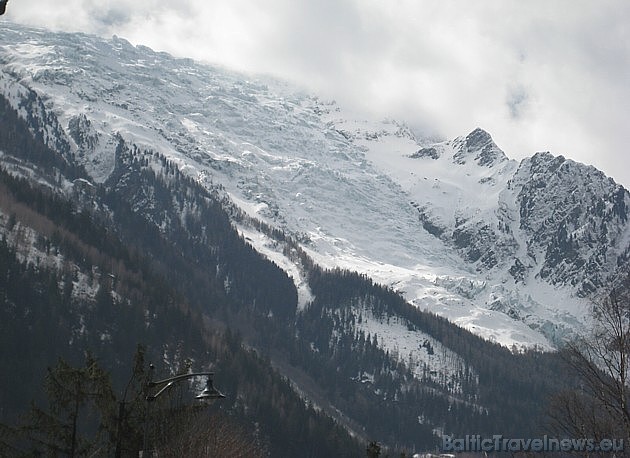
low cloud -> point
(538, 75)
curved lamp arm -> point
(171, 380)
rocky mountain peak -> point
(479, 145)
(478, 139)
(574, 218)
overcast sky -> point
(539, 75)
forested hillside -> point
(77, 277)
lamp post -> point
(208, 393)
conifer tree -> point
(75, 395)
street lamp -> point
(208, 393)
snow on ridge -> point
(273, 251)
(426, 357)
(24, 240)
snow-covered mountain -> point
(511, 251)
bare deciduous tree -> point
(199, 433)
(599, 407)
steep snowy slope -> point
(543, 237)
(456, 226)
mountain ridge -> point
(301, 165)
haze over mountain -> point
(545, 76)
